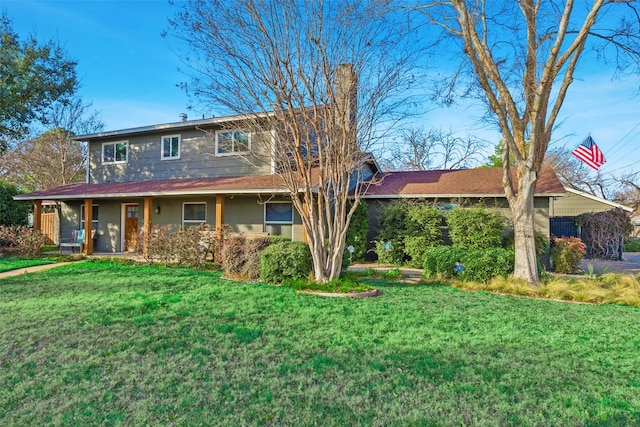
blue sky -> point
(129, 73)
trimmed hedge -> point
(285, 261)
(442, 260)
(423, 232)
(478, 265)
(475, 228)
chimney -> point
(346, 94)
(183, 117)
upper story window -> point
(171, 147)
(115, 152)
(232, 142)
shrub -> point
(476, 264)
(475, 228)
(442, 260)
(423, 232)
(285, 261)
(232, 256)
(252, 254)
(22, 241)
(566, 253)
(481, 265)
(357, 231)
(278, 239)
(241, 256)
(187, 247)
(393, 229)
(158, 245)
(389, 251)
(632, 245)
(180, 247)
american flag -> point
(589, 153)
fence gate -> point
(48, 224)
(563, 226)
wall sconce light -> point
(157, 209)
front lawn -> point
(109, 344)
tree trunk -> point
(522, 209)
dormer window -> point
(171, 147)
(115, 152)
(229, 142)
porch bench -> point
(76, 241)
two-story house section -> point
(181, 174)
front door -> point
(130, 227)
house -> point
(566, 208)
(462, 187)
(215, 172)
(185, 173)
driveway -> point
(630, 264)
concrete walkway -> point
(34, 269)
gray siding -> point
(197, 159)
(575, 204)
(244, 214)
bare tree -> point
(52, 158)
(629, 190)
(421, 149)
(522, 56)
(574, 173)
(319, 78)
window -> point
(115, 152)
(170, 147)
(278, 213)
(232, 142)
(94, 217)
(194, 214)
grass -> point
(11, 263)
(112, 344)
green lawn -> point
(107, 344)
(11, 263)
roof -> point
(481, 182)
(164, 127)
(600, 199)
(172, 187)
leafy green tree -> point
(33, 76)
(11, 211)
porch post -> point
(37, 215)
(88, 218)
(219, 215)
(148, 209)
